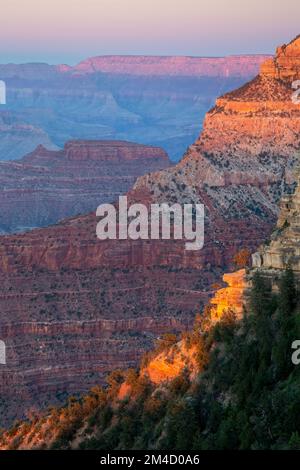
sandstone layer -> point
(242, 162)
(230, 299)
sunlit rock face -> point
(241, 66)
(286, 64)
(242, 162)
(230, 298)
(171, 363)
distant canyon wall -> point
(157, 101)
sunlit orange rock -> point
(169, 364)
(230, 298)
(286, 63)
(124, 391)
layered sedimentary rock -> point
(74, 308)
(65, 328)
(283, 248)
(46, 186)
(62, 278)
(242, 162)
(286, 64)
(230, 298)
(241, 66)
(280, 252)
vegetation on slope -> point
(245, 393)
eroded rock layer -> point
(283, 248)
(46, 186)
(243, 160)
(241, 66)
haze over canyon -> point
(158, 101)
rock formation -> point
(170, 364)
(46, 186)
(230, 298)
(18, 137)
(280, 252)
(242, 162)
(241, 66)
(283, 248)
(286, 65)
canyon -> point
(74, 308)
(46, 186)
(283, 247)
(150, 100)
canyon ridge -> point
(48, 185)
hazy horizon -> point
(72, 30)
(41, 62)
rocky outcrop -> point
(286, 64)
(283, 248)
(46, 186)
(242, 162)
(171, 363)
(230, 299)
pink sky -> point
(70, 30)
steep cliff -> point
(283, 248)
(242, 162)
